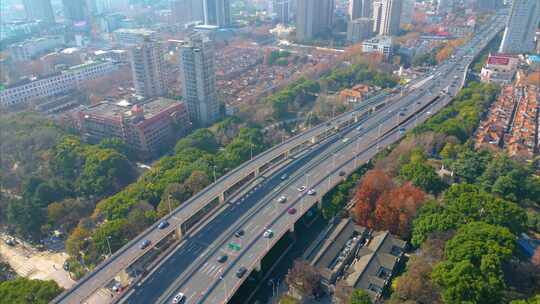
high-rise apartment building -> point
(39, 10)
(185, 11)
(486, 5)
(360, 9)
(520, 27)
(281, 10)
(313, 17)
(76, 12)
(390, 17)
(217, 12)
(377, 15)
(148, 69)
(199, 79)
(359, 29)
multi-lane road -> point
(193, 268)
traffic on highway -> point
(211, 261)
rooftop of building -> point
(329, 250)
(376, 262)
(380, 40)
(115, 110)
(138, 31)
(37, 39)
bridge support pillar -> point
(257, 266)
(355, 118)
(222, 198)
(286, 154)
(257, 172)
(314, 140)
(291, 230)
(319, 204)
(178, 232)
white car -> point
(311, 192)
(282, 199)
(268, 234)
(301, 188)
(179, 298)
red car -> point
(291, 211)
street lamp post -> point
(109, 245)
(214, 173)
(169, 200)
(357, 154)
(224, 284)
(379, 136)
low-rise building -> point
(337, 250)
(146, 127)
(375, 263)
(499, 68)
(31, 48)
(380, 44)
(356, 94)
(59, 83)
(358, 257)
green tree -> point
(421, 174)
(472, 271)
(360, 296)
(119, 146)
(23, 291)
(104, 172)
(202, 139)
(463, 203)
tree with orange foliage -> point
(396, 209)
(536, 257)
(373, 185)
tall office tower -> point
(199, 79)
(360, 9)
(281, 9)
(313, 17)
(148, 69)
(390, 17)
(520, 27)
(377, 16)
(76, 12)
(486, 5)
(217, 12)
(39, 10)
(185, 11)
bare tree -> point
(304, 278)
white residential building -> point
(390, 17)
(199, 80)
(73, 78)
(29, 49)
(379, 44)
